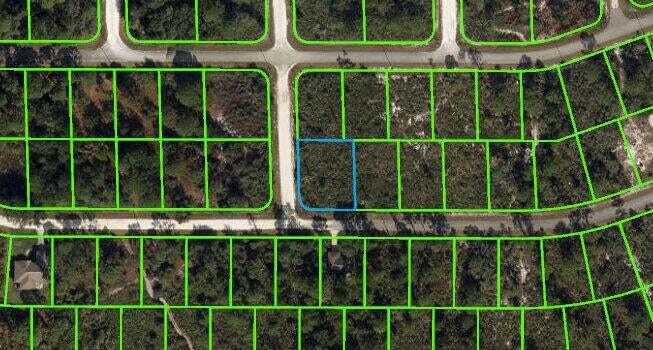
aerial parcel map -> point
(326, 174)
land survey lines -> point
(117, 140)
(365, 303)
(347, 136)
(532, 37)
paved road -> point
(600, 214)
(282, 56)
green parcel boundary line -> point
(365, 41)
(532, 40)
(637, 184)
(212, 331)
(639, 5)
(83, 41)
(160, 139)
(641, 289)
(198, 40)
(322, 243)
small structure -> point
(28, 275)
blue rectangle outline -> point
(300, 199)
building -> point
(28, 275)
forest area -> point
(49, 20)
(223, 20)
(490, 140)
(510, 21)
(386, 20)
(377, 273)
(73, 124)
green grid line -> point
(364, 272)
(409, 287)
(640, 289)
(52, 271)
(299, 329)
(498, 267)
(364, 37)
(73, 140)
(629, 151)
(231, 272)
(431, 103)
(476, 108)
(575, 135)
(522, 331)
(76, 329)
(254, 331)
(97, 271)
(460, 140)
(27, 152)
(207, 202)
(443, 176)
(454, 271)
(29, 40)
(7, 271)
(165, 328)
(210, 326)
(364, 21)
(343, 108)
(578, 144)
(344, 329)
(536, 207)
(635, 267)
(433, 336)
(388, 115)
(388, 337)
(479, 308)
(134, 139)
(565, 327)
(617, 91)
(186, 272)
(588, 270)
(276, 270)
(319, 271)
(197, 39)
(614, 224)
(533, 40)
(31, 328)
(70, 135)
(531, 20)
(197, 20)
(161, 160)
(120, 317)
(141, 270)
(522, 126)
(467, 70)
(639, 6)
(606, 314)
(115, 135)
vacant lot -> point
(385, 20)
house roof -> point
(28, 275)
